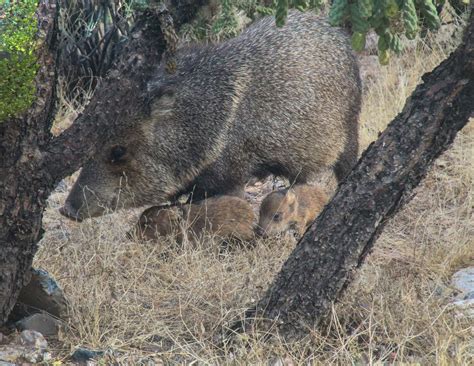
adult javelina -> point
(281, 101)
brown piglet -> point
(227, 217)
(291, 208)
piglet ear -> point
(291, 198)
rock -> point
(40, 322)
(3, 363)
(469, 296)
(28, 347)
(84, 354)
(465, 308)
(33, 339)
(43, 293)
(11, 354)
(463, 280)
(21, 354)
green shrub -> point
(18, 26)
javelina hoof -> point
(290, 209)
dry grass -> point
(146, 306)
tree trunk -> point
(23, 189)
(321, 265)
(33, 162)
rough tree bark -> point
(32, 162)
(320, 267)
(23, 191)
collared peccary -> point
(226, 217)
(293, 208)
(282, 101)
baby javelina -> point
(226, 217)
(291, 208)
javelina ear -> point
(162, 98)
(163, 105)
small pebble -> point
(32, 338)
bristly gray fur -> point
(281, 101)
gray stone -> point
(10, 353)
(43, 293)
(17, 355)
(469, 296)
(463, 280)
(40, 322)
(62, 186)
(84, 354)
(29, 347)
(465, 308)
(33, 339)
(4, 363)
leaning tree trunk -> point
(320, 267)
(32, 162)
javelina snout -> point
(277, 211)
(110, 181)
(83, 202)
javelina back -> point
(281, 101)
(226, 217)
(294, 208)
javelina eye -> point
(117, 153)
(277, 217)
